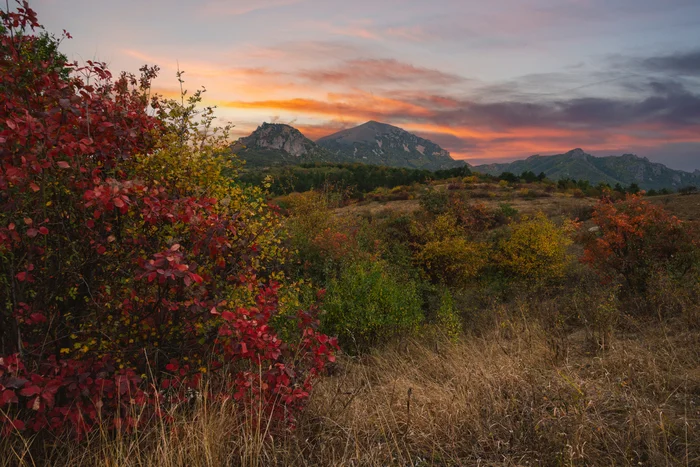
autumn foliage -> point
(536, 250)
(636, 239)
(129, 266)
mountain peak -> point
(266, 127)
(577, 153)
(379, 126)
(379, 143)
(277, 136)
(279, 144)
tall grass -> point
(501, 398)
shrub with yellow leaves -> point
(536, 250)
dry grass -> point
(686, 207)
(497, 399)
(556, 205)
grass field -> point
(504, 397)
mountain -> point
(577, 164)
(381, 144)
(278, 144)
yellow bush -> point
(453, 261)
(536, 250)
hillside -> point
(275, 144)
(381, 144)
(577, 164)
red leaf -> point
(8, 396)
(63, 164)
(18, 424)
(227, 315)
(22, 276)
(32, 233)
(34, 187)
(118, 202)
(43, 230)
(30, 390)
(196, 277)
(37, 318)
(48, 397)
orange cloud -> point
(361, 106)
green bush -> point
(435, 201)
(447, 317)
(367, 304)
(507, 210)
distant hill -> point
(276, 144)
(577, 164)
(381, 144)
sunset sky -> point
(487, 80)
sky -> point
(490, 81)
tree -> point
(509, 177)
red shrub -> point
(117, 292)
(637, 238)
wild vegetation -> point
(131, 266)
(157, 309)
